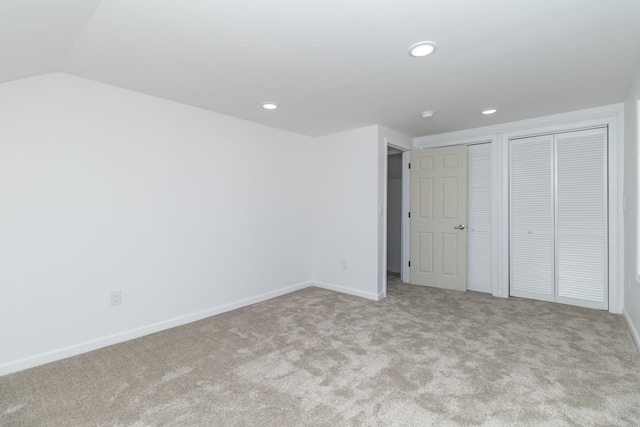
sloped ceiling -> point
(37, 36)
(334, 65)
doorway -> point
(394, 213)
(396, 208)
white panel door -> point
(479, 218)
(581, 218)
(438, 217)
(532, 218)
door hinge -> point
(409, 214)
(409, 263)
(409, 165)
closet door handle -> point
(459, 227)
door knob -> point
(459, 227)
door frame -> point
(405, 209)
(406, 222)
(610, 116)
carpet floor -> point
(421, 356)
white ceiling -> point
(334, 65)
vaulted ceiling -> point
(334, 65)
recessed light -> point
(427, 114)
(489, 111)
(421, 49)
(269, 105)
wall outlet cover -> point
(116, 298)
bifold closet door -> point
(480, 218)
(558, 218)
(532, 264)
(581, 218)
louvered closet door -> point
(532, 218)
(479, 218)
(581, 218)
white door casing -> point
(438, 217)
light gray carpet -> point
(315, 357)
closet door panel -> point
(479, 218)
(532, 218)
(581, 218)
(581, 276)
(532, 266)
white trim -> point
(349, 291)
(632, 329)
(616, 214)
(74, 350)
(406, 224)
(382, 254)
(637, 142)
(424, 143)
(565, 127)
(502, 227)
(494, 214)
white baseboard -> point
(350, 291)
(632, 329)
(87, 346)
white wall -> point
(350, 204)
(346, 212)
(188, 212)
(632, 286)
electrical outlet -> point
(344, 264)
(116, 297)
